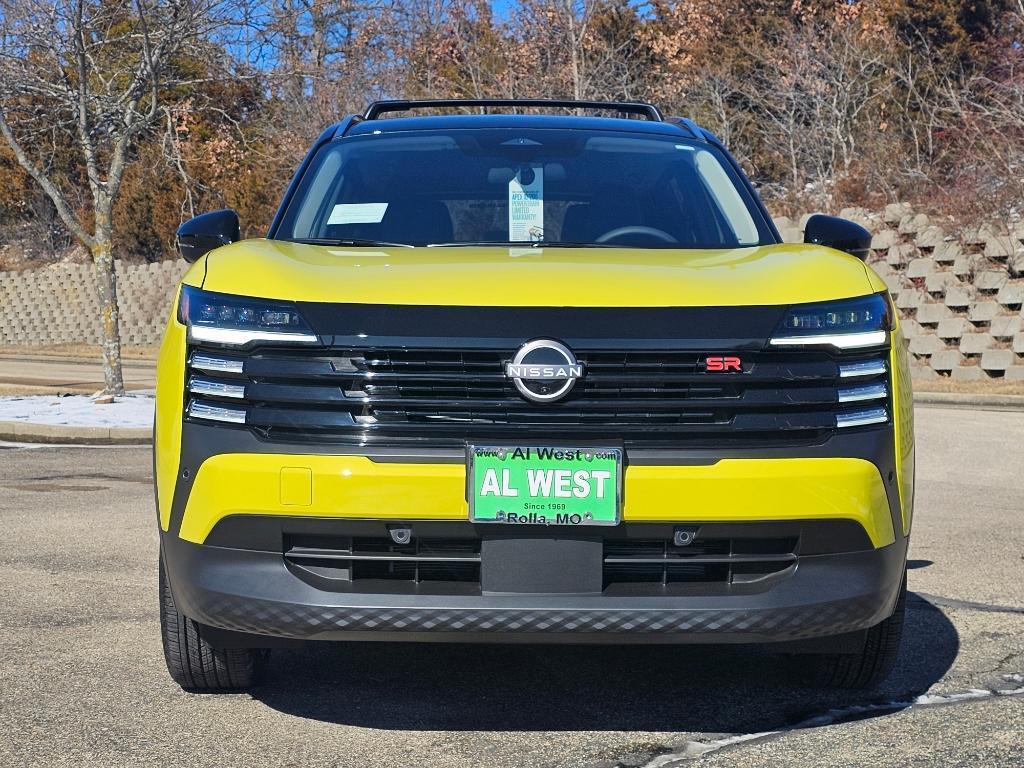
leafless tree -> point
(91, 75)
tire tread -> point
(874, 662)
(192, 662)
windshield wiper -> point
(358, 243)
(570, 244)
(520, 244)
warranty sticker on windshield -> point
(526, 205)
(544, 486)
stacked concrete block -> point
(861, 216)
(975, 343)
(1011, 294)
(901, 254)
(969, 373)
(909, 299)
(920, 266)
(911, 328)
(968, 325)
(929, 238)
(995, 362)
(926, 345)
(1005, 327)
(966, 264)
(894, 212)
(932, 314)
(946, 252)
(912, 223)
(983, 312)
(990, 280)
(60, 304)
(952, 329)
(884, 239)
(937, 283)
(958, 297)
(1015, 265)
(999, 247)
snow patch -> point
(132, 410)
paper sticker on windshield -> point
(526, 205)
(357, 213)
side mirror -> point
(206, 232)
(841, 234)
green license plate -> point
(543, 485)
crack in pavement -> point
(1008, 658)
(950, 602)
(694, 750)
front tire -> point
(192, 662)
(874, 663)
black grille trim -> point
(728, 327)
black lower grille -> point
(355, 559)
(379, 564)
(729, 561)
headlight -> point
(846, 324)
(220, 318)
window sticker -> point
(357, 213)
(526, 205)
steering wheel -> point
(614, 234)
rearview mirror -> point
(841, 234)
(206, 232)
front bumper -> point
(229, 472)
(255, 592)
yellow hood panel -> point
(493, 276)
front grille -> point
(729, 561)
(640, 397)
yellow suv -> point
(547, 377)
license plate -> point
(541, 485)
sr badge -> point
(544, 370)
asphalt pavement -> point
(82, 679)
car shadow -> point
(449, 687)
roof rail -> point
(377, 108)
(690, 125)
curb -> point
(992, 402)
(21, 432)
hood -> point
(554, 277)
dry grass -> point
(9, 390)
(991, 387)
(89, 352)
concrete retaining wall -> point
(58, 305)
(960, 295)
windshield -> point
(532, 186)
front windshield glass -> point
(532, 186)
